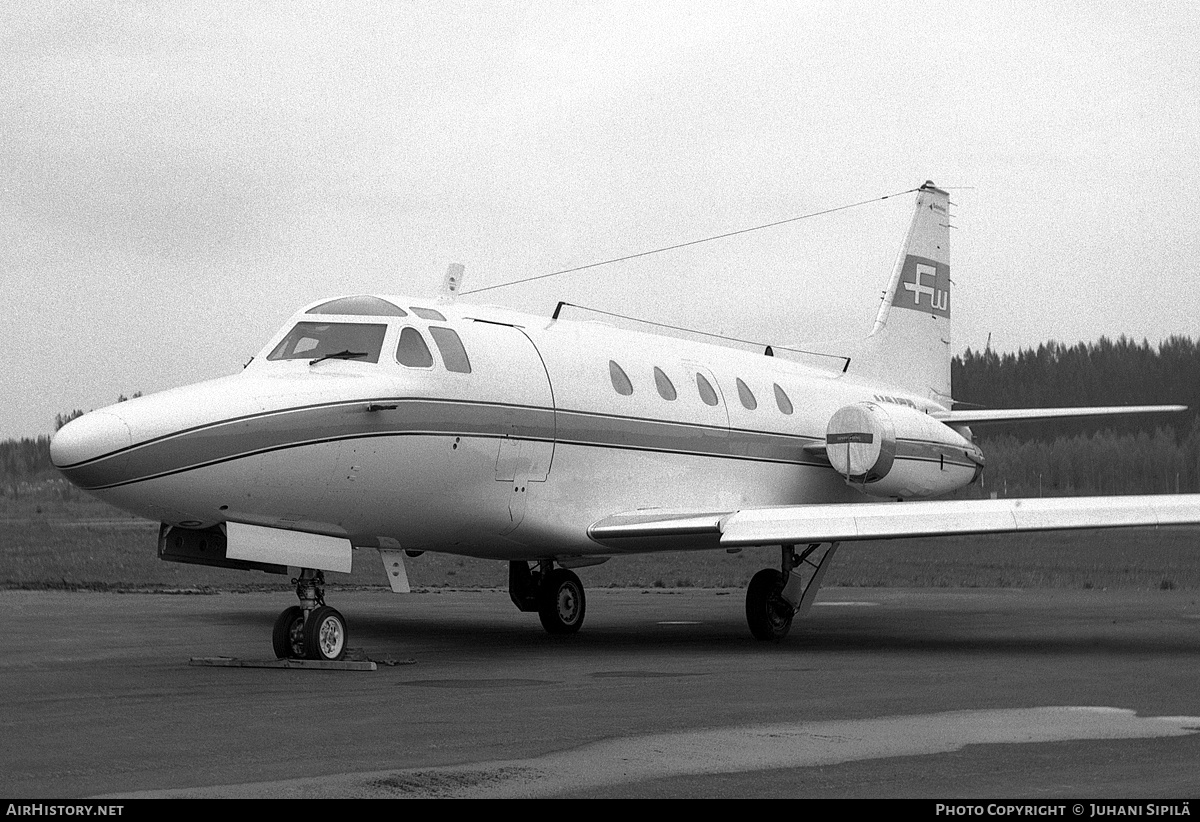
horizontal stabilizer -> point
(847, 522)
(977, 416)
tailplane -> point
(909, 347)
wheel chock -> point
(312, 664)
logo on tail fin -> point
(924, 286)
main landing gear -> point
(774, 598)
(555, 593)
(310, 630)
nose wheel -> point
(325, 635)
(311, 630)
(288, 637)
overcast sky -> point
(179, 178)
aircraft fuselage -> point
(555, 425)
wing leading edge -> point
(847, 522)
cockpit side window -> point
(412, 350)
(357, 342)
(451, 348)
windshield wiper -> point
(341, 355)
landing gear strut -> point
(555, 593)
(311, 630)
(775, 598)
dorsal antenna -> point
(451, 283)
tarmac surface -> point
(935, 693)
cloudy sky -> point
(178, 178)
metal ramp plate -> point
(312, 664)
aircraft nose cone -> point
(89, 437)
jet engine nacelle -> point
(896, 451)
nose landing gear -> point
(311, 630)
(288, 637)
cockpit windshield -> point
(358, 342)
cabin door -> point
(525, 419)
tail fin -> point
(909, 347)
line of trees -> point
(26, 462)
(1108, 372)
(1114, 455)
(1104, 462)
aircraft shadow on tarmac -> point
(1015, 630)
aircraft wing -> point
(655, 530)
(985, 415)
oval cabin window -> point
(746, 396)
(666, 389)
(781, 399)
(707, 392)
(620, 381)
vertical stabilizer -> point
(909, 347)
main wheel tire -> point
(768, 614)
(288, 637)
(325, 635)
(561, 602)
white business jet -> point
(406, 425)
